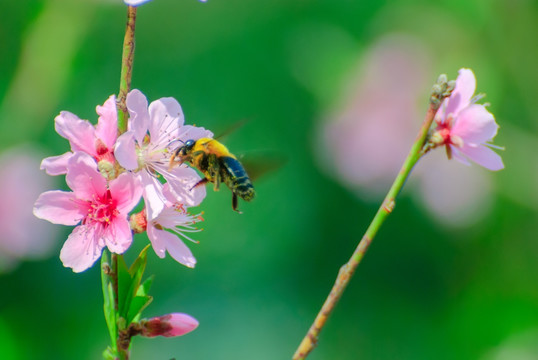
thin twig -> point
(347, 270)
(126, 69)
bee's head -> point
(186, 148)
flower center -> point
(102, 210)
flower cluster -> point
(108, 175)
(465, 127)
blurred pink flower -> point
(365, 141)
(23, 236)
(173, 217)
(175, 324)
(153, 134)
(101, 211)
(465, 127)
(96, 141)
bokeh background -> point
(337, 88)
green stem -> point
(348, 269)
(126, 69)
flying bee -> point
(218, 165)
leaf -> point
(143, 289)
(108, 296)
(124, 283)
(138, 304)
(135, 277)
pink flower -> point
(23, 236)
(465, 128)
(175, 324)
(96, 141)
(100, 210)
(173, 217)
(154, 132)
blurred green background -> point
(427, 289)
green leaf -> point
(135, 274)
(124, 283)
(138, 304)
(108, 296)
(143, 290)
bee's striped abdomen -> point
(237, 178)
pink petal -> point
(189, 132)
(81, 249)
(475, 125)
(83, 178)
(157, 242)
(175, 324)
(166, 117)
(59, 207)
(118, 236)
(483, 156)
(107, 125)
(137, 104)
(80, 133)
(56, 165)
(456, 153)
(126, 191)
(178, 250)
(175, 247)
(182, 186)
(125, 151)
(153, 195)
(135, 2)
(181, 324)
(463, 92)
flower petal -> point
(182, 181)
(166, 116)
(475, 125)
(126, 191)
(483, 156)
(135, 2)
(81, 249)
(56, 165)
(59, 207)
(80, 133)
(137, 104)
(463, 92)
(83, 178)
(156, 241)
(125, 151)
(118, 236)
(175, 247)
(107, 125)
(153, 195)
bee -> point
(218, 165)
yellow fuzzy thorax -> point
(211, 146)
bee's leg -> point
(217, 181)
(234, 203)
(199, 183)
(173, 162)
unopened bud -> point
(138, 222)
(175, 324)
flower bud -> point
(138, 222)
(175, 324)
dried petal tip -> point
(175, 324)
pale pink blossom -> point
(99, 209)
(96, 141)
(175, 324)
(173, 217)
(365, 139)
(466, 128)
(23, 236)
(153, 134)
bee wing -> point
(259, 164)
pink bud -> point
(170, 325)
